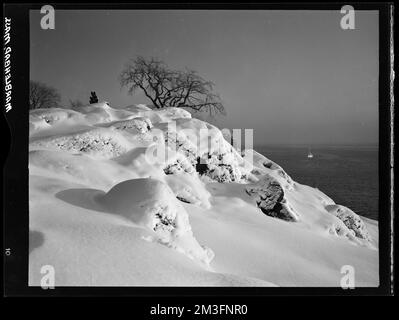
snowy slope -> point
(133, 196)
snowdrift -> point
(134, 196)
(152, 204)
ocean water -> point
(347, 174)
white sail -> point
(310, 155)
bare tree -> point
(42, 96)
(170, 88)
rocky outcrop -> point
(269, 197)
(351, 220)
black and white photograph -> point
(205, 148)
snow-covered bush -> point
(205, 147)
(178, 165)
(99, 143)
(215, 167)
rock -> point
(269, 197)
(351, 220)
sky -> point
(294, 77)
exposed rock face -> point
(269, 196)
(351, 220)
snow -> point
(190, 189)
(152, 204)
(141, 197)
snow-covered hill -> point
(133, 196)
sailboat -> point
(310, 154)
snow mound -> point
(78, 168)
(262, 165)
(134, 126)
(189, 189)
(152, 204)
(168, 114)
(137, 108)
(269, 197)
(351, 220)
(138, 160)
(102, 112)
(48, 120)
(158, 115)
